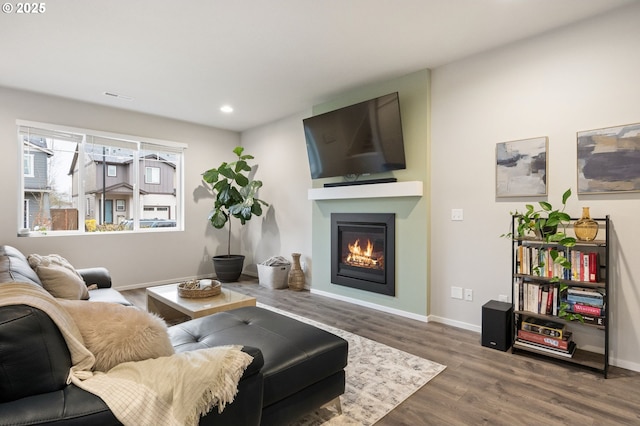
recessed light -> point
(118, 96)
(226, 108)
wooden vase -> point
(296, 274)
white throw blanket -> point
(169, 391)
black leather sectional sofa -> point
(296, 367)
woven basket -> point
(191, 289)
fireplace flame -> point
(360, 256)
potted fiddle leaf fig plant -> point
(235, 196)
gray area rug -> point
(379, 378)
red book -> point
(544, 340)
(585, 309)
(593, 267)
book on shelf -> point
(543, 326)
(585, 300)
(579, 308)
(518, 288)
(546, 349)
(541, 339)
(593, 320)
(544, 292)
(590, 292)
(594, 268)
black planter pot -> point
(228, 267)
(542, 232)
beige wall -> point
(132, 259)
(580, 78)
(285, 227)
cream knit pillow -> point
(58, 277)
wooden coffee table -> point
(164, 301)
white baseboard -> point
(628, 365)
(163, 282)
(457, 324)
(375, 306)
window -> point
(28, 165)
(152, 175)
(66, 169)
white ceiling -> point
(266, 58)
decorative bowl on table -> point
(199, 288)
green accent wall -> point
(412, 221)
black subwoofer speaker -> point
(497, 325)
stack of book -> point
(545, 336)
(590, 303)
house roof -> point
(122, 187)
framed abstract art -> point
(521, 168)
(609, 160)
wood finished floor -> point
(480, 386)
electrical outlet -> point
(205, 258)
(503, 298)
(456, 292)
(468, 294)
(457, 214)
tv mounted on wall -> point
(356, 140)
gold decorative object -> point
(586, 229)
(296, 275)
(199, 288)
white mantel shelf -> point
(375, 190)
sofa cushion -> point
(59, 277)
(117, 334)
(110, 295)
(14, 267)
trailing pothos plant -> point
(235, 193)
(549, 225)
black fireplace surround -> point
(363, 251)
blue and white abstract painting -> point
(609, 160)
(521, 168)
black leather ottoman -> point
(303, 365)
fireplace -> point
(363, 251)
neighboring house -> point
(37, 189)
(109, 179)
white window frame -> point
(141, 143)
(28, 162)
(112, 170)
(152, 175)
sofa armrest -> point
(97, 275)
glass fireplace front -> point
(363, 251)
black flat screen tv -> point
(360, 139)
